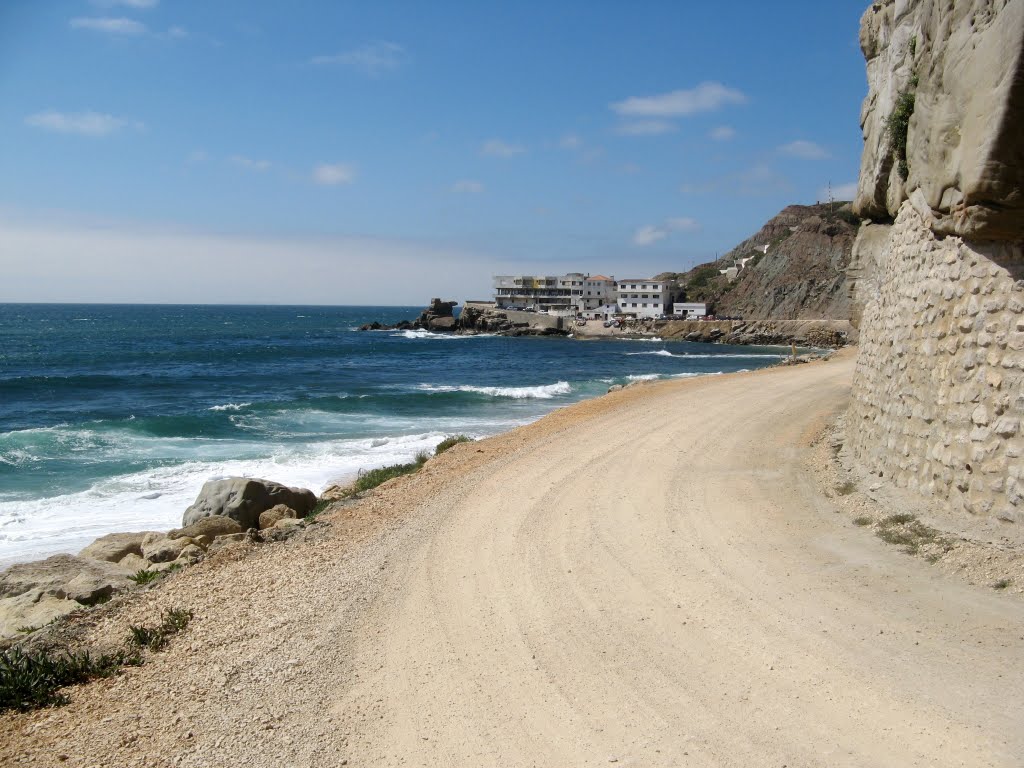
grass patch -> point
(320, 507)
(846, 488)
(374, 477)
(145, 576)
(862, 520)
(905, 530)
(448, 442)
(33, 680)
(1001, 584)
(155, 638)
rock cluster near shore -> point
(226, 512)
(439, 317)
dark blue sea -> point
(113, 416)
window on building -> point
(645, 303)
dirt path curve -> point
(664, 586)
(651, 578)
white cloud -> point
(81, 123)
(177, 32)
(847, 191)
(806, 150)
(373, 59)
(651, 234)
(329, 175)
(468, 186)
(110, 25)
(499, 148)
(645, 128)
(571, 141)
(648, 235)
(248, 164)
(723, 133)
(706, 97)
(136, 4)
(197, 156)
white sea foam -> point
(644, 377)
(155, 499)
(229, 407)
(421, 334)
(723, 356)
(543, 392)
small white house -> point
(685, 311)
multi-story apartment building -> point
(598, 291)
(646, 297)
(540, 292)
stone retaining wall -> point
(938, 393)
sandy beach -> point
(653, 577)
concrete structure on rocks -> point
(938, 393)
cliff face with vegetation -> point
(801, 276)
(938, 392)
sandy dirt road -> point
(651, 579)
(664, 585)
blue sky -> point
(367, 153)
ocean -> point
(113, 416)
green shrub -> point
(155, 638)
(897, 126)
(375, 477)
(448, 442)
(145, 577)
(32, 680)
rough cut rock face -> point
(963, 64)
(243, 499)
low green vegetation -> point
(448, 442)
(145, 576)
(32, 680)
(862, 520)
(155, 638)
(897, 126)
(374, 477)
(1001, 584)
(320, 507)
(905, 530)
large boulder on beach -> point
(65, 576)
(114, 547)
(244, 498)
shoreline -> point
(334, 592)
(328, 495)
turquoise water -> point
(113, 416)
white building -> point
(689, 311)
(555, 293)
(645, 297)
(598, 291)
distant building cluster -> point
(594, 296)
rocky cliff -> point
(794, 268)
(938, 393)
